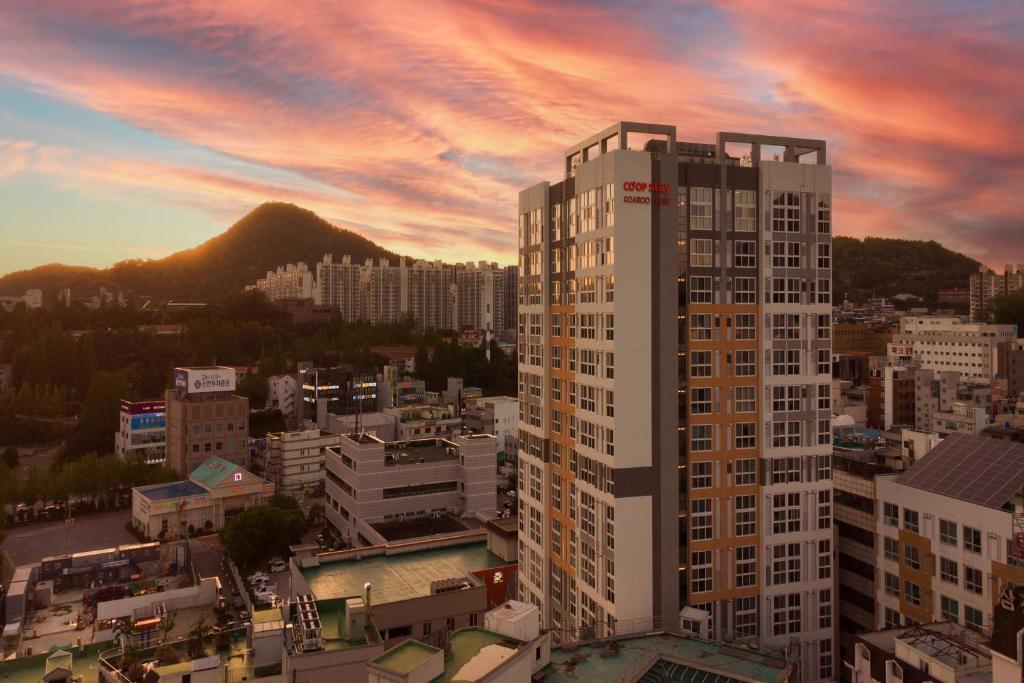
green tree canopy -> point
(262, 532)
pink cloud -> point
(412, 117)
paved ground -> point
(31, 544)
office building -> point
(295, 460)
(214, 492)
(379, 491)
(142, 431)
(341, 390)
(942, 343)
(986, 285)
(951, 533)
(675, 298)
(205, 418)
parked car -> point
(277, 565)
(258, 577)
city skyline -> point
(176, 121)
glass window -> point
(702, 253)
(972, 539)
(949, 571)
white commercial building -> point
(370, 480)
(295, 460)
(142, 431)
(283, 393)
(942, 343)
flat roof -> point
(405, 529)
(411, 454)
(175, 489)
(401, 576)
(675, 657)
(406, 656)
(84, 663)
(475, 653)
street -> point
(92, 532)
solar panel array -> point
(975, 469)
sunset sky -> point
(137, 129)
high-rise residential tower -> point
(674, 355)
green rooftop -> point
(212, 472)
(466, 644)
(406, 657)
(84, 663)
(679, 658)
(266, 616)
(398, 577)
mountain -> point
(274, 234)
(269, 236)
(878, 266)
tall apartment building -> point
(434, 294)
(943, 343)
(947, 529)
(205, 418)
(986, 285)
(291, 281)
(676, 299)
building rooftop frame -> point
(795, 148)
(620, 129)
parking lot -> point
(31, 544)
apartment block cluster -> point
(32, 298)
(475, 296)
(986, 284)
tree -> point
(35, 488)
(195, 638)
(10, 457)
(100, 414)
(316, 514)
(1005, 309)
(261, 532)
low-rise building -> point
(283, 393)
(142, 431)
(508, 649)
(497, 415)
(402, 423)
(215, 492)
(946, 533)
(961, 418)
(372, 481)
(424, 589)
(295, 460)
(936, 393)
(944, 652)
